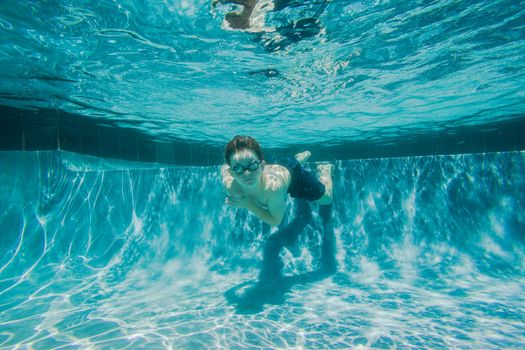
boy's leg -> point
(325, 176)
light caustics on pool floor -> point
(97, 255)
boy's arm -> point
(272, 216)
(229, 185)
(227, 178)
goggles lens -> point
(253, 165)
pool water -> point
(419, 252)
(305, 72)
(106, 254)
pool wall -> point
(50, 129)
(110, 254)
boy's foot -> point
(303, 156)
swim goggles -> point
(239, 169)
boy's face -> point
(246, 168)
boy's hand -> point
(239, 201)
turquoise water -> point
(359, 70)
(427, 252)
(108, 255)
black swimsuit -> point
(303, 183)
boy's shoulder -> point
(277, 177)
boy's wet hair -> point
(242, 142)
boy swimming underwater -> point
(262, 188)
